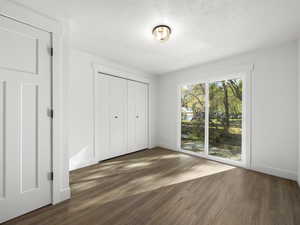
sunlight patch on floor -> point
(139, 164)
(107, 176)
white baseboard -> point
(167, 147)
(275, 172)
(150, 146)
(65, 194)
(82, 165)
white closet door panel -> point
(131, 116)
(102, 117)
(141, 116)
(29, 137)
(118, 116)
(137, 116)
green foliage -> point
(193, 98)
(225, 116)
(234, 96)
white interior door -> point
(25, 137)
(137, 116)
(117, 92)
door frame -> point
(244, 73)
(29, 17)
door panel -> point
(141, 116)
(25, 96)
(118, 116)
(13, 43)
(137, 116)
(193, 117)
(29, 137)
(225, 119)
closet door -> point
(118, 116)
(137, 116)
(110, 117)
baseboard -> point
(84, 164)
(65, 194)
(275, 172)
(167, 147)
(90, 163)
(152, 146)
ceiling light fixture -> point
(161, 32)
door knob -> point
(137, 117)
(116, 117)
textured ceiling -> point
(203, 30)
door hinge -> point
(51, 176)
(51, 113)
(51, 51)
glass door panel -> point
(225, 119)
(193, 117)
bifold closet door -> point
(110, 117)
(137, 116)
(118, 116)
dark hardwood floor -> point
(160, 187)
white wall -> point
(80, 140)
(274, 105)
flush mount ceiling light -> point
(161, 33)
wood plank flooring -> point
(161, 187)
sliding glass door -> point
(212, 119)
(225, 119)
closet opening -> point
(121, 116)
